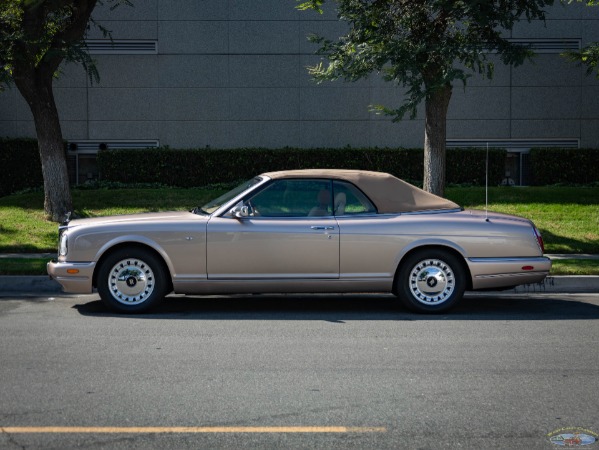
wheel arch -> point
(132, 245)
(436, 246)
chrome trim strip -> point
(539, 259)
(431, 211)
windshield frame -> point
(226, 200)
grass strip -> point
(568, 217)
(23, 266)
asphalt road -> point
(336, 371)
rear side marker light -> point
(527, 268)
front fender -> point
(134, 239)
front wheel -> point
(431, 281)
(132, 280)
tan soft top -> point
(389, 194)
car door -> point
(287, 232)
(369, 242)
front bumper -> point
(492, 273)
(75, 278)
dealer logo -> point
(573, 437)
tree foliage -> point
(36, 36)
(589, 55)
(424, 46)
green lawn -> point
(24, 229)
(568, 217)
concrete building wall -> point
(232, 73)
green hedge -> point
(199, 167)
(20, 165)
(564, 165)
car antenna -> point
(487, 185)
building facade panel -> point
(477, 129)
(242, 10)
(147, 10)
(194, 104)
(194, 10)
(335, 104)
(131, 71)
(590, 133)
(264, 104)
(124, 104)
(193, 37)
(247, 133)
(547, 128)
(71, 103)
(8, 105)
(233, 73)
(546, 103)
(478, 103)
(590, 103)
(253, 71)
(126, 29)
(75, 129)
(133, 129)
(538, 29)
(334, 134)
(192, 71)
(407, 133)
(547, 70)
(264, 37)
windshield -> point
(213, 205)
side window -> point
(293, 198)
(349, 200)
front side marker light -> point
(73, 271)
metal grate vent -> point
(548, 45)
(515, 144)
(89, 146)
(122, 47)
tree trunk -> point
(435, 133)
(37, 91)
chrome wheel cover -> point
(431, 281)
(131, 281)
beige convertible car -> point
(303, 231)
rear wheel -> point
(132, 280)
(431, 281)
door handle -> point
(320, 227)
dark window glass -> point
(349, 200)
(293, 198)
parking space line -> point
(233, 429)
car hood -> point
(154, 217)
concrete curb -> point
(28, 284)
(23, 284)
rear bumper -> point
(491, 273)
(75, 278)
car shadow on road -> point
(339, 308)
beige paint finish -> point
(260, 248)
(219, 253)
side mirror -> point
(241, 211)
